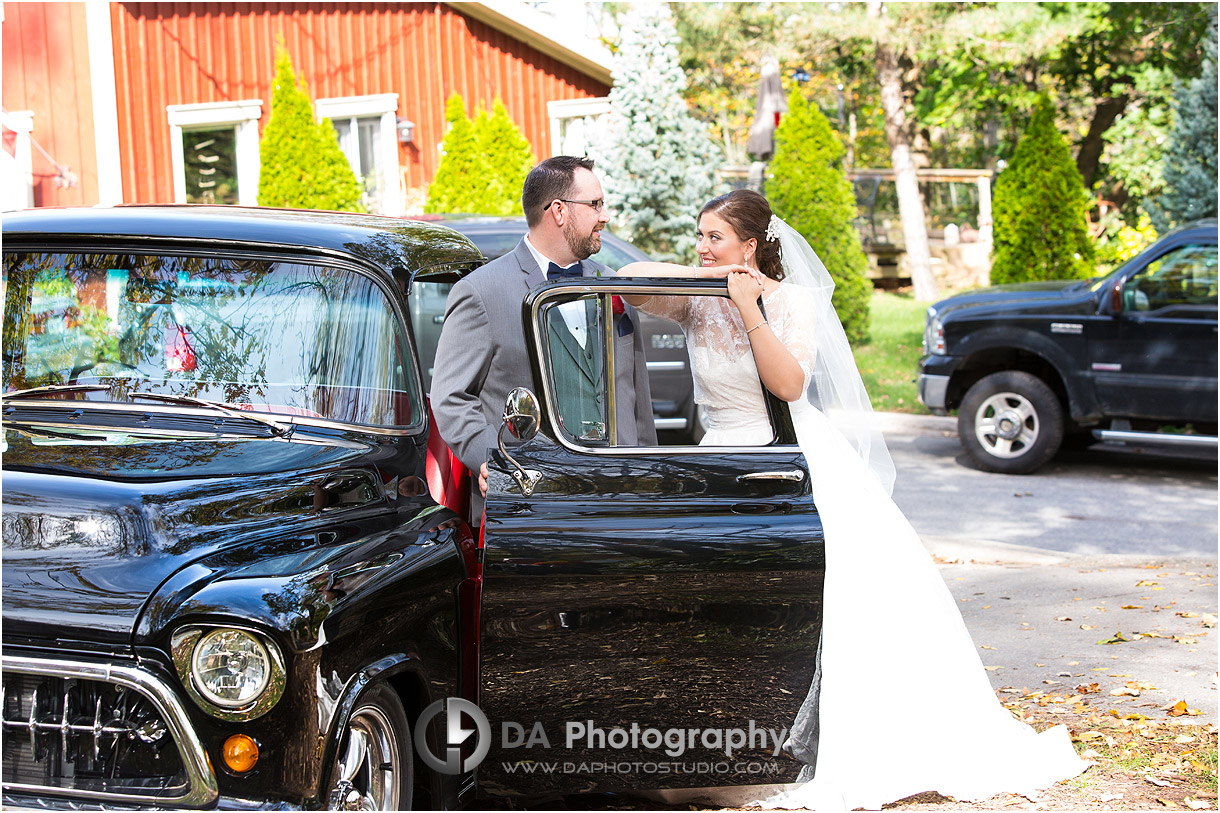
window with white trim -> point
(368, 136)
(214, 151)
(16, 160)
(573, 122)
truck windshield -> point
(286, 338)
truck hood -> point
(93, 525)
(1052, 293)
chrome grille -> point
(98, 731)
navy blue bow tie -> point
(554, 272)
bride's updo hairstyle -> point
(749, 214)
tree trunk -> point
(910, 201)
(1108, 109)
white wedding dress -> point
(904, 705)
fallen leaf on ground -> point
(1088, 688)
(1117, 639)
(1176, 709)
(1207, 620)
(1195, 804)
(1186, 615)
(1087, 627)
(1160, 783)
(992, 668)
(1125, 691)
(1064, 618)
(984, 646)
(1133, 606)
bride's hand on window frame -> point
(744, 289)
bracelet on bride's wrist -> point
(756, 327)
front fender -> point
(1058, 354)
(346, 605)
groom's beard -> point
(583, 246)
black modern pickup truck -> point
(1128, 356)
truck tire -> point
(1010, 422)
(374, 766)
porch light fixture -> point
(406, 130)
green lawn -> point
(889, 363)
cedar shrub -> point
(808, 188)
(302, 166)
(483, 164)
(1040, 213)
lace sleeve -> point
(673, 308)
(791, 315)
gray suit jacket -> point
(481, 355)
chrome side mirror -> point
(521, 418)
(521, 414)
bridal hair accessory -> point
(836, 388)
(773, 229)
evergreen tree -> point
(1040, 209)
(658, 160)
(484, 163)
(808, 189)
(302, 166)
(458, 183)
(508, 157)
(1190, 159)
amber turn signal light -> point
(240, 753)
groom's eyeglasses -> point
(597, 205)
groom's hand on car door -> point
(483, 480)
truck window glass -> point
(269, 336)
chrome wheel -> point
(1006, 424)
(373, 768)
(1010, 422)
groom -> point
(481, 353)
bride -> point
(900, 703)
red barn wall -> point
(46, 70)
(189, 53)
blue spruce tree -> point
(1190, 160)
(658, 160)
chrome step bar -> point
(1156, 438)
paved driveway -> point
(1101, 542)
(1103, 500)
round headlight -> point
(230, 667)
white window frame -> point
(562, 112)
(244, 115)
(18, 174)
(384, 105)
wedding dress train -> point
(904, 704)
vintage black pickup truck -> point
(230, 579)
(1127, 356)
